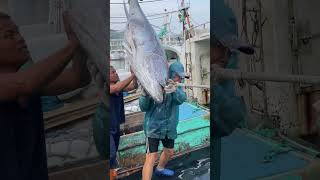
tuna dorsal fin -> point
(125, 9)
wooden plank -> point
(133, 120)
(131, 97)
(69, 118)
(77, 110)
(76, 106)
(66, 115)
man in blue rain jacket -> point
(229, 110)
(160, 123)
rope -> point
(277, 149)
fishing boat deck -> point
(195, 165)
(193, 134)
(188, 111)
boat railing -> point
(116, 44)
(173, 42)
(200, 29)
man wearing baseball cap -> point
(229, 109)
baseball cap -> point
(176, 68)
(225, 29)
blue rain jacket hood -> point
(176, 68)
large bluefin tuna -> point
(145, 54)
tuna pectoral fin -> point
(126, 47)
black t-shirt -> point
(23, 150)
(117, 114)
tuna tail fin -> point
(125, 9)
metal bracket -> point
(304, 37)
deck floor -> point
(195, 165)
(242, 158)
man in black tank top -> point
(117, 114)
(22, 152)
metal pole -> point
(220, 73)
(194, 86)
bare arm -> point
(132, 86)
(31, 80)
(76, 77)
(39, 75)
(117, 87)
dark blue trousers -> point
(114, 145)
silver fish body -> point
(90, 25)
(145, 53)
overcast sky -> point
(199, 11)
